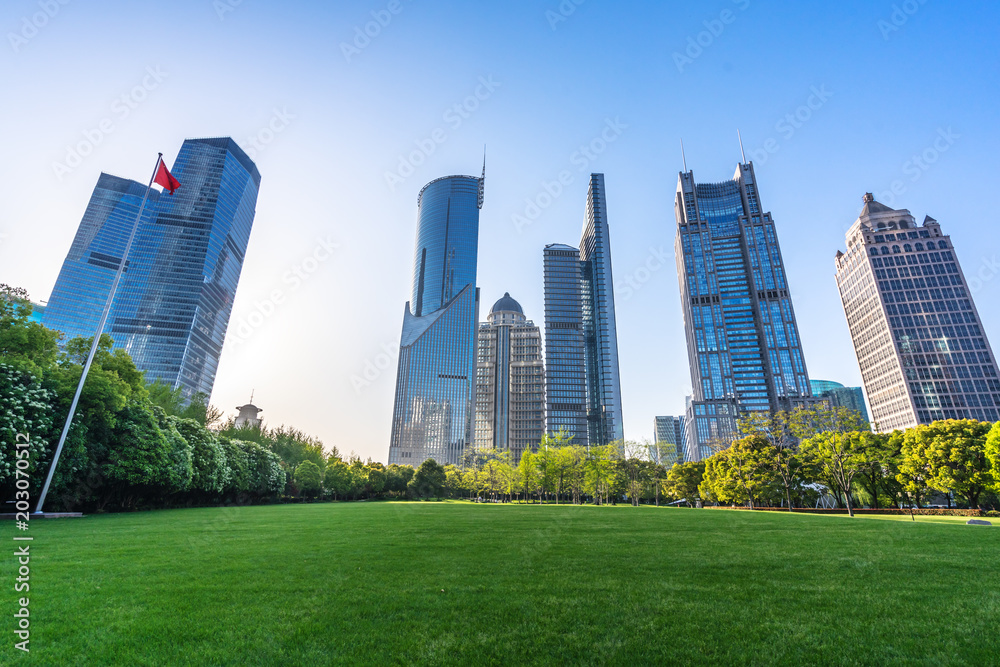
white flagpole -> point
(97, 340)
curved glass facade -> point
(447, 248)
(173, 304)
(435, 380)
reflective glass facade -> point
(433, 407)
(510, 381)
(852, 398)
(668, 430)
(604, 406)
(565, 353)
(172, 308)
(920, 343)
(583, 387)
(743, 344)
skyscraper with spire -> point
(583, 386)
(743, 342)
(435, 379)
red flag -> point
(165, 178)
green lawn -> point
(456, 583)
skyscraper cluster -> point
(919, 340)
(491, 386)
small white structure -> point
(248, 414)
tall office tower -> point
(510, 381)
(839, 396)
(172, 308)
(668, 431)
(742, 339)
(583, 388)
(920, 343)
(565, 352)
(435, 379)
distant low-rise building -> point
(839, 396)
(668, 430)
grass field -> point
(456, 583)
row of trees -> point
(558, 472)
(792, 459)
(132, 444)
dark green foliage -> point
(25, 416)
(138, 464)
(309, 479)
(208, 459)
(428, 481)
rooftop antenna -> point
(251, 396)
(740, 136)
(482, 180)
(683, 158)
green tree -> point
(683, 480)
(527, 473)
(138, 463)
(992, 450)
(428, 481)
(27, 410)
(25, 344)
(210, 471)
(839, 457)
(950, 455)
(179, 453)
(309, 479)
(738, 474)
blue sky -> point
(886, 82)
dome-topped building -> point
(510, 381)
(506, 311)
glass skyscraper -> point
(510, 381)
(583, 388)
(743, 342)
(839, 396)
(920, 343)
(435, 378)
(172, 307)
(668, 430)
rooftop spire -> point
(482, 180)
